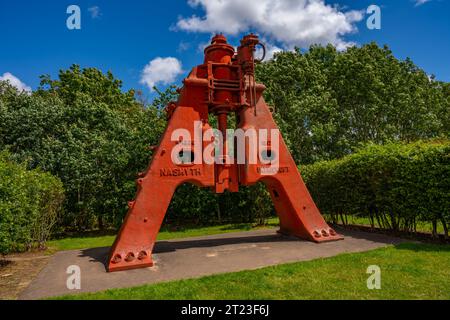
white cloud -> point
(287, 22)
(183, 46)
(15, 82)
(202, 45)
(94, 11)
(421, 2)
(161, 70)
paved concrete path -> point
(194, 257)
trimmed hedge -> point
(394, 186)
(30, 201)
(200, 206)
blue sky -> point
(157, 42)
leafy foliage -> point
(84, 130)
(30, 202)
(329, 102)
(198, 206)
(395, 185)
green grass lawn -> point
(408, 271)
(85, 242)
(75, 243)
(424, 227)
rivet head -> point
(130, 257)
(117, 258)
(142, 255)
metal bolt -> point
(142, 255)
(117, 258)
(130, 257)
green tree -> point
(85, 130)
(327, 102)
(304, 106)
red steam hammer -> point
(223, 84)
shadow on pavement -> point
(101, 254)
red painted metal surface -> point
(223, 84)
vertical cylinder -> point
(222, 118)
